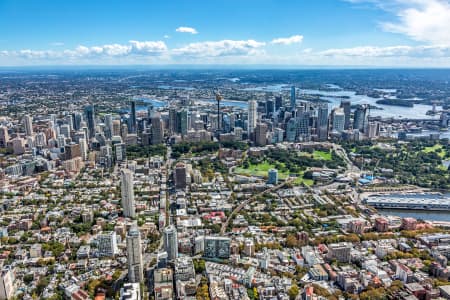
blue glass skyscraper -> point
(293, 100)
(90, 119)
(133, 123)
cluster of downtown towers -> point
(270, 121)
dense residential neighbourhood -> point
(110, 192)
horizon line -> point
(224, 67)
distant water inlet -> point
(435, 216)
(418, 111)
(162, 103)
(333, 98)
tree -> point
(41, 285)
(374, 294)
(215, 228)
(251, 294)
(28, 278)
(255, 293)
(293, 292)
(199, 266)
(291, 241)
(56, 248)
(92, 286)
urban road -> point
(248, 201)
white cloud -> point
(231, 52)
(115, 50)
(288, 41)
(423, 20)
(148, 47)
(133, 48)
(392, 51)
(111, 50)
(220, 48)
(186, 30)
(33, 54)
(57, 44)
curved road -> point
(248, 201)
(339, 151)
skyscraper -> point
(77, 119)
(157, 130)
(65, 130)
(172, 120)
(83, 148)
(28, 124)
(133, 123)
(127, 193)
(252, 116)
(292, 100)
(270, 107)
(303, 128)
(116, 128)
(150, 112)
(134, 255)
(278, 102)
(346, 106)
(322, 122)
(338, 120)
(108, 126)
(322, 116)
(90, 119)
(182, 122)
(373, 130)
(120, 150)
(360, 119)
(180, 176)
(226, 123)
(260, 134)
(273, 176)
(171, 242)
(69, 121)
(291, 130)
(7, 283)
(4, 136)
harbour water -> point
(163, 103)
(428, 215)
(333, 97)
(423, 215)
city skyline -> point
(329, 33)
(225, 150)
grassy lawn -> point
(260, 169)
(300, 180)
(318, 155)
(436, 148)
(442, 167)
(323, 155)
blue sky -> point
(276, 32)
